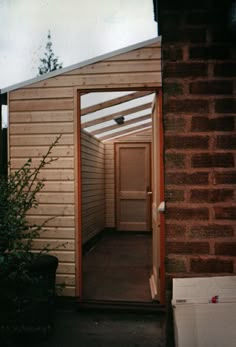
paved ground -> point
(97, 329)
(118, 267)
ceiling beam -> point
(116, 114)
(122, 137)
(122, 132)
(116, 126)
(114, 102)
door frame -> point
(78, 186)
(158, 132)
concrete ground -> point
(100, 329)
(97, 329)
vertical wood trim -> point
(162, 198)
(8, 133)
(78, 197)
(150, 185)
(115, 184)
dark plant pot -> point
(26, 303)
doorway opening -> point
(119, 162)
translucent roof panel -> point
(100, 110)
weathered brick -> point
(211, 87)
(209, 52)
(193, 35)
(218, 4)
(187, 106)
(225, 248)
(228, 177)
(225, 70)
(184, 213)
(187, 247)
(175, 265)
(182, 178)
(211, 195)
(168, 286)
(186, 142)
(225, 212)
(175, 230)
(182, 5)
(185, 70)
(212, 265)
(173, 89)
(174, 161)
(172, 54)
(226, 142)
(214, 124)
(197, 18)
(205, 160)
(211, 231)
(202, 17)
(225, 36)
(170, 21)
(233, 52)
(174, 195)
(172, 123)
(225, 106)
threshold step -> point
(126, 306)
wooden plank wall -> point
(41, 111)
(140, 136)
(31, 131)
(144, 136)
(109, 185)
(93, 186)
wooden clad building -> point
(79, 187)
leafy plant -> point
(18, 194)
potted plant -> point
(27, 277)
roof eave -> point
(79, 65)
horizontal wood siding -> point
(144, 136)
(93, 196)
(110, 185)
(140, 136)
(37, 117)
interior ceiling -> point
(99, 112)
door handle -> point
(149, 193)
(162, 207)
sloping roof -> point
(79, 65)
(100, 109)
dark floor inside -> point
(118, 267)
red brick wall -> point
(199, 84)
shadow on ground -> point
(101, 329)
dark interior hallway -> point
(118, 267)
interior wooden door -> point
(157, 201)
(133, 186)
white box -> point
(205, 311)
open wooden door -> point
(157, 202)
(133, 186)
